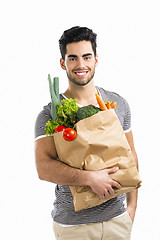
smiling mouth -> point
(81, 73)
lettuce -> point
(66, 115)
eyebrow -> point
(87, 54)
(75, 56)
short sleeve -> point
(127, 117)
(43, 117)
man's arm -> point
(52, 170)
(133, 195)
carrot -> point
(108, 104)
(113, 104)
(100, 102)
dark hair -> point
(77, 34)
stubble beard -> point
(80, 82)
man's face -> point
(79, 62)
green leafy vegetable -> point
(87, 111)
(67, 111)
(66, 115)
(52, 125)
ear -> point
(96, 61)
(62, 64)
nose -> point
(80, 63)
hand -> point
(102, 184)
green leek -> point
(54, 91)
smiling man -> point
(80, 67)
(110, 220)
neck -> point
(85, 95)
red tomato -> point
(69, 134)
(60, 128)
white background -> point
(129, 63)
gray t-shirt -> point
(63, 211)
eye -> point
(72, 59)
(87, 58)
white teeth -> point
(80, 73)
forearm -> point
(52, 170)
(57, 172)
(132, 196)
(132, 203)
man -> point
(109, 220)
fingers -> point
(109, 191)
(106, 193)
(112, 170)
(104, 186)
(116, 184)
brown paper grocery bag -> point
(100, 143)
